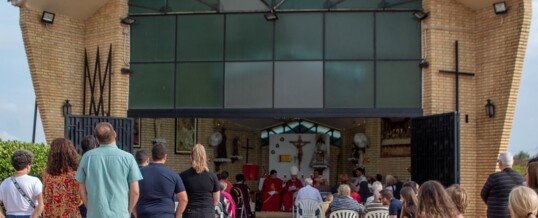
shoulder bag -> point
(24, 195)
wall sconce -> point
(128, 20)
(423, 63)
(500, 7)
(47, 17)
(490, 109)
(421, 15)
(271, 16)
(66, 108)
(126, 70)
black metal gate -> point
(76, 127)
(435, 148)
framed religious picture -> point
(137, 132)
(185, 134)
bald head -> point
(105, 134)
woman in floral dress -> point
(60, 188)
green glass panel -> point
(298, 84)
(349, 84)
(304, 4)
(398, 84)
(151, 86)
(248, 37)
(299, 36)
(199, 85)
(146, 6)
(192, 5)
(249, 85)
(200, 37)
(357, 4)
(242, 6)
(398, 35)
(152, 38)
(349, 36)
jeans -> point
(17, 216)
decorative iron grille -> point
(76, 127)
(435, 148)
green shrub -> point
(6, 151)
(520, 169)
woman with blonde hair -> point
(60, 188)
(523, 202)
(434, 202)
(459, 197)
(202, 186)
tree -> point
(521, 158)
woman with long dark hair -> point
(409, 202)
(434, 202)
(60, 188)
(532, 176)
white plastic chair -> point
(307, 208)
(378, 214)
(344, 214)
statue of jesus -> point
(299, 145)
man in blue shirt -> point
(395, 206)
(108, 177)
(158, 188)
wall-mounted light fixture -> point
(421, 15)
(490, 108)
(271, 16)
(423, 63)
(127, 20)
(126, 70)
(66, 108)
(500, 7)
(47, 17)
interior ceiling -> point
(260, 124)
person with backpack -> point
(227, 202)
(240, 194)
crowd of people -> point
(109, 182)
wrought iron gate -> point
(76, 127)
(435, 148)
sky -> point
(17, 97)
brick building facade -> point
(491, 46)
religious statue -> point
(235, 146)
(320, 153)
(221, 149)
(299, 145)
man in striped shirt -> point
(498, 186)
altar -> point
(306, 151)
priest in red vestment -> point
(272, 188)
(292, 186)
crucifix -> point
(299, 145)
(248, 148)
(458, 73)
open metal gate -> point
(435, 148)
(76, 127)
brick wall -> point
(54, 54)
(491, 46)
(56, 58)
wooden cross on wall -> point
(457, 72)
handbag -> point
(24, 195)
